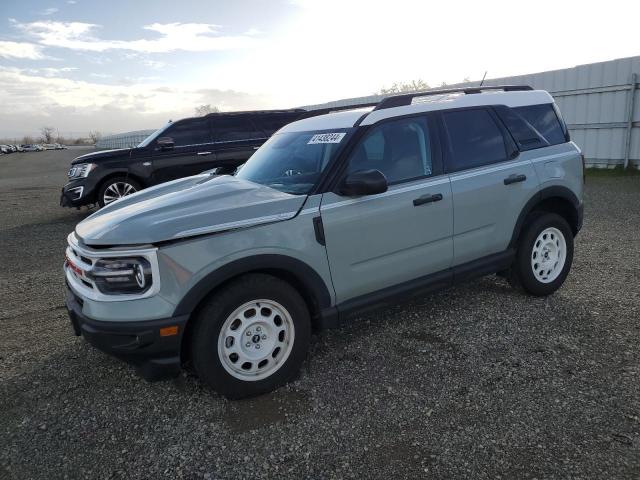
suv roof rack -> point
(245, 112)
(405, 99)
(322, 111)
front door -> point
(383, 240)
(191, 154)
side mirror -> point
(165, 143)
(363, 182)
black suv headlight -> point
(81, 170)
(121, 275)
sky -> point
(121, 65)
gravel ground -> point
(479, 381)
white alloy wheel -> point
(548, 255)
(256, 340)
(116, 191)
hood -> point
(187, 207)
(102, 154)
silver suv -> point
(335, 214)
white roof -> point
(342, 119)
(347, 118)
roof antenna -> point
(485, 76)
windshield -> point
(292, 162)
(154, 135)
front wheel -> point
(545, 254)
(116, 188)
(251, 337)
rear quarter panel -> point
(559, 165)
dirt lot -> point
(479, 381)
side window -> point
(400, 149)
(272, 122)
(474, 139)
(544, 119)
(189, 132)
(233, 128)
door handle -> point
(428, 198)
(204, 153)
(515, 179)
(255, 148)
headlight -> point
(81, 170)
(119, 276)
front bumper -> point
(141, 344)
(87, 187)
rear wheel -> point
(251, 337)
(545, 254)
(116, 188)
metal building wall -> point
(600, 103)
(123, 140)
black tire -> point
(523, 273)
(115, 180)
(212, 316)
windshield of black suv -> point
(154, 135)
(292, 162)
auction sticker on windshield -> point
(326, 138)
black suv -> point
(179, 149)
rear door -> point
(192, 153)
(236, 138)
(379, 241)
(490, 182)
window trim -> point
(335, 172)
(511, 149)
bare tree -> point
(94, 136)
(46, 134)
(27, 140)
(203, 110)
(405, 87)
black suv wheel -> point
(116, 188)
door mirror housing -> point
(165, 143)
(363, 182)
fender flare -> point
(555, 191)
(303, 273)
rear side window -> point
(190, 132)
(233, 128)
(544, 119)
(525, 135)
(270, 123)
(474, 139)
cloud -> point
(253, 32)
(194, 37)
(49, 72)
(49, 11)
(71, 2)
(30, 98)
(24, 50)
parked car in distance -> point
(178, 149)
(6, 149)
(29, 147)
(332, 216)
